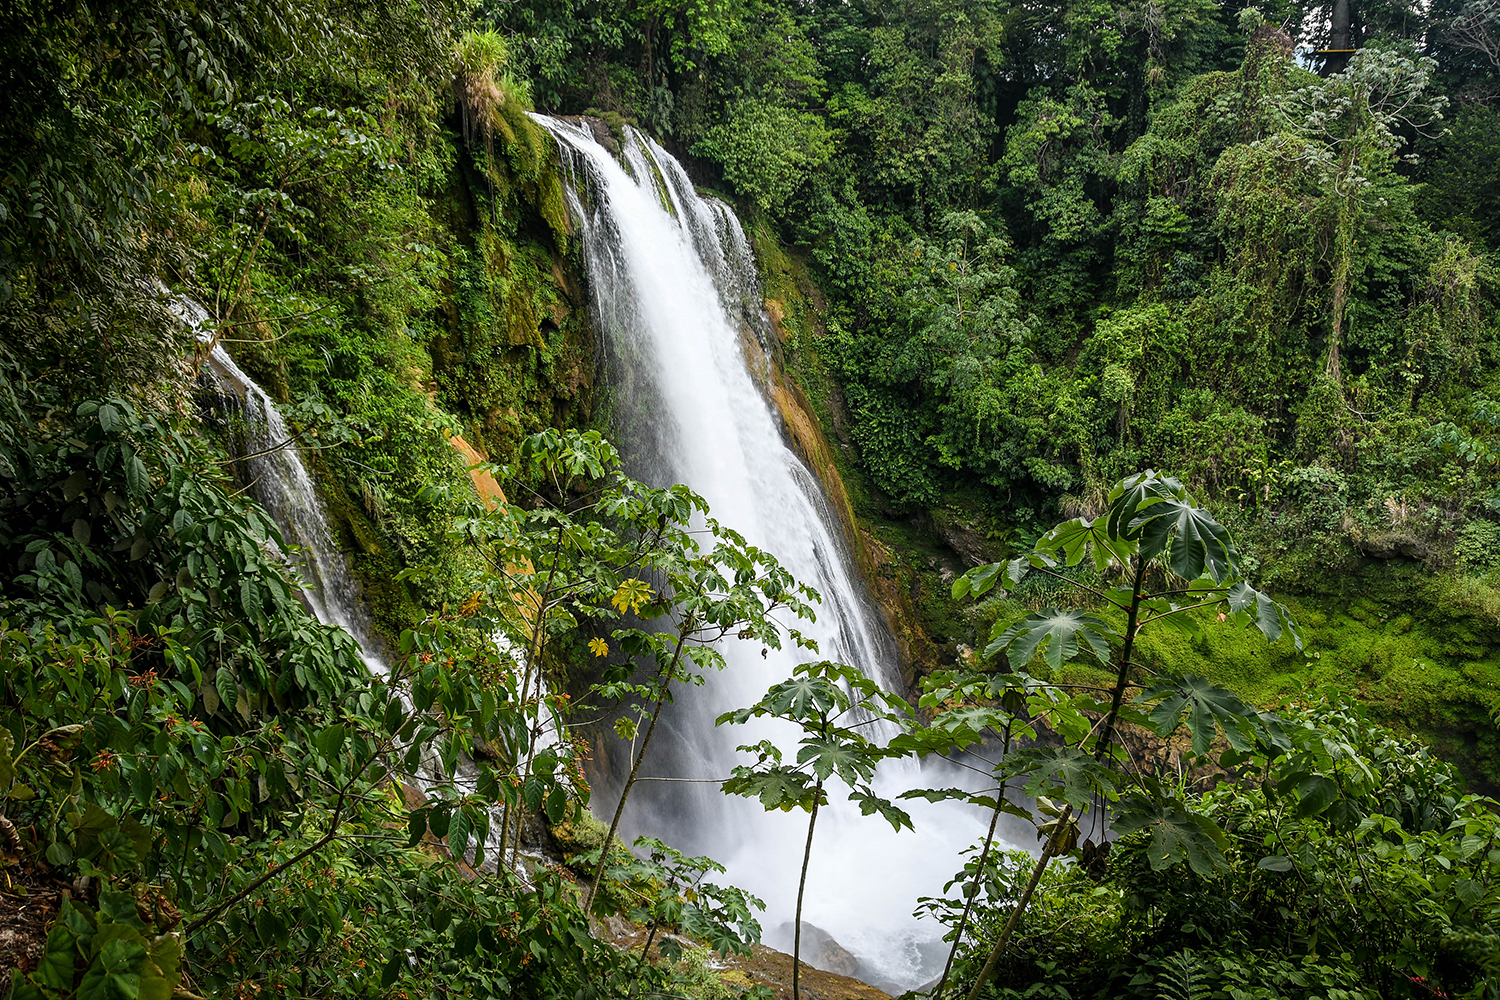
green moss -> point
(1425, 661)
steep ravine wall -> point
(1420, 650)
(796, 310)
(495, 344)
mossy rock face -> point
(1424, 660)
(579, 835)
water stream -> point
(677, 303)
(275, 475)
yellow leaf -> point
(630, 595)
(599, 647)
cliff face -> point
(810, 410)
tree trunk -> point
(801, 888)
(1343, 267)
(963, 921)
(1101, 750)
(666, 679)
(1021, 904)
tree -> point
(672, 893)
(1345, 131)
(1477, 29)
(965, 706)
(824, 699)
(596, 548)
(1172, 558)
(1354, 866)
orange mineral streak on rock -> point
(489, 490)
(874, 559)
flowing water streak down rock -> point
(675, 296)
(279, 480)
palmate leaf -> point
(1208, 708)
(1082, 536)
(777, 787)
(805, 697)
(853, 761)
(1177, 835)
(1053, 633)
(1249, 605)
(1156, 511)
(1069, 773)
(968, 722)
(870, 803)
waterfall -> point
(676, 300)
(276, 476)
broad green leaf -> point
(465, 939)
(1155, 510)
(778, 787)
(331, 741)
(1129, 495)
(161, 973)
(804, 697)
(1468, 891)
(1193, 540)
(1275, 863)
(1069, 772)
(852, 761)
(1082, 537)
(393, 967)
(976, 581)
(136, 477)
(1249, 604)
(1177, 835)
(458, 833)
(395, 715)
(557, 804)
(870, 803)
(1053, 633)
(1315, 794)
(1208, 707)
(225, 686)
(416, 827)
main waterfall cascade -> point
(675, 294)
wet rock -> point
(1395, 545)
(819, 949)
(965, 537)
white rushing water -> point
(675, 294)
(276, 476)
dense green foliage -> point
(1388, 890)
(229, 801)
(1051, 245)
(1054, 244)
(1194, 224)
(1303, 854)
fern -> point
(1182, 978)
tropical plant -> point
(1173, 558)
(1354, 867)
(595, 549)
(830, 702)
(670, 892)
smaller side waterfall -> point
(278, 479)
